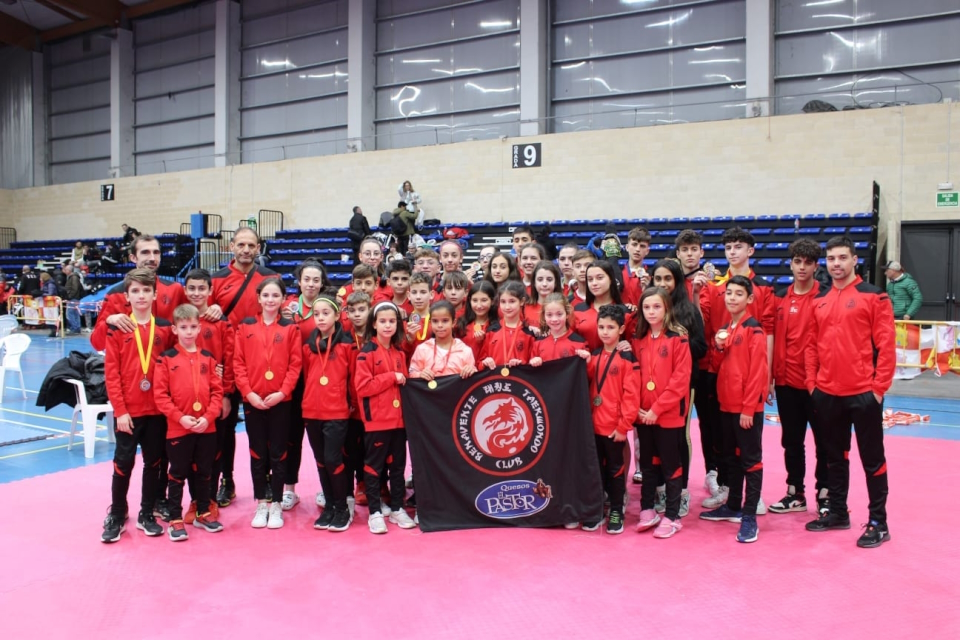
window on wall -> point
(853, 54)
(446, 71)
(294, 79)
(622, 63)
(174, 65)
(79, 103)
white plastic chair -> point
(13, 347)
(88, 418)
(8, 324)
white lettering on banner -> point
(510, 502)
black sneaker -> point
(147, 523)
(874, 535)
(615, 522)
(176, 531)
(828, 522)
(112, 528)
(325, 519)
(789, 503)
(823, 506)
(161, 509)
(226, 493)
(341, 520)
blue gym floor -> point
(22, 420)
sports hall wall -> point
(807, 163)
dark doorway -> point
(930, 252)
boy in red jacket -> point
(218, 337)
(741, 353)
(188, 392)
(793, 328)
(129, 368)
(615, 401)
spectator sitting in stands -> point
(29, 284)
(76, 255)
(48, 286)
(110, 257)
(129, 235)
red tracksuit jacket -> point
(620, 397)
(169, 296)
(219, 338)
(631, 287)
(792, 329)
(123, 370)
(742, 376)
(226, 284)
(375, 380)
(713, 308)
(586, 325)
(355, 344)
(665, 360)
(175, 393)
(550, 348)
(332, 400)
(504, 344)
(840, 359)
(261, 348)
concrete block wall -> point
(789, 164)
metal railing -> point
(8, 235)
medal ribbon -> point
(603, 378)
(268, 343)
(508, 352)
(324, 355)
(445, 362)
(300, 309)
(145, 355)
(652, 359)
(195, 373)
(422, 335)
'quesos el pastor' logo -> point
(501, 427)
(514, 499)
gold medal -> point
(197, 406)
(651, 385)
(396, 404)
(324, 380)
(597, 401)
(432, 384)
(505, 371)
(268, 375)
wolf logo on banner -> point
(496, 450)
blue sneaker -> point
(723, 513)
(748, 529)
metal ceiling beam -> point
(17, 33)
(91, 23)
(72, 17)
(108, 12)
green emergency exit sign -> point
(947, 199)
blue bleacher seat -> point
(744, 218)
(810, 231)
(784, 231)
(669, 232)
(709, 246)
(815, 216)
(760, 232)
(681, 220)
(834, 230)
(769, 262)
(713, 232)
(784, 280)
(839, 216)
(860, 245)
(720, 262)
(699, 220)
(766, 218)
(723, 219)
(863, 215)
(778, 246)
(790, 216)
(861, 229)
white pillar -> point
(760, 57)
(533, 67)
(362, 72)
(40, 142)
(226, 91)
(121, 104)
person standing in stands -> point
(850, 361)
(235, 296)
(357, 230)
(129, 235)
(903, 290)
(29, 284)
(402, 226)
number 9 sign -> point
(526, 155)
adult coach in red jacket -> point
(145, 254)
(235, 296)
(849, 367)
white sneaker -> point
(321, 499)
(571, 525)
(376, 523)
(402, 520)
(289, 501)
(761, 508)
(714, 502)
(275, 521)
(385, 509)
(260, 518)
(710, 483)
(660, 501)
(684, 503)
(351, 507)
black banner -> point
(504, 448)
